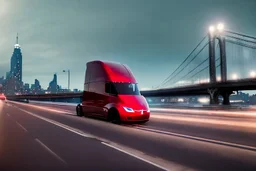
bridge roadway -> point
(51, 137)
(197, 89)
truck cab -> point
(111, 92)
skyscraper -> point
(53, 86)
(16, 62)
(37, 87)
(26, 88)
(7, 75)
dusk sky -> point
(151, 36)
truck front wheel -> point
(113, 116)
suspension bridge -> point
(221, 63)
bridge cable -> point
(188, 63)
(237, 38)
(194, 69)
(200, 71)
(183, 61)
(239, 34)
(241, 44)
(217, 45)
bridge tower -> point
(223, 69)
(212, 69)
(223, 60)
(214, 93)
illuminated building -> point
(16, 62)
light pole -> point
(68, 71)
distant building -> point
(63, 90)
(12, 86)
(253, 99)
(37, 87)
(7, 75)
(32, 87)
(243, 97)
(13, 83)
(53, 85)
(26, 88)
(16, 61)
(75, 90)
(1, 80)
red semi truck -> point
(2, 96)
(111, 92)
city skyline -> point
(163, 40)
(13, 83)
(16, 72)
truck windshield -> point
(127, 88)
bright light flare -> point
(145, 88)
(204, 81)
(253, 74)
(204, 100)
(234, 76)
(211, 29)
(218, 78)
(180, 100)
(220, 27)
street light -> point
(68, 71)
(253, 74)
(218, 78)
(211, 29)
(220, 27)
(234, 76)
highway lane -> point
(228, 126)
(29, 143)
(169, 150)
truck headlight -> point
(127, 109)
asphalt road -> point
(29, 143)
(54, 138)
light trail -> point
(207, 112)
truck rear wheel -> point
(79, 110)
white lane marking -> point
(133, 155)
(22, 126)
(58, 124)
(147, 129)
(199, 138)
(75, 131)
(50, 151)
(7, 114)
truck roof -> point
(114, 72)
